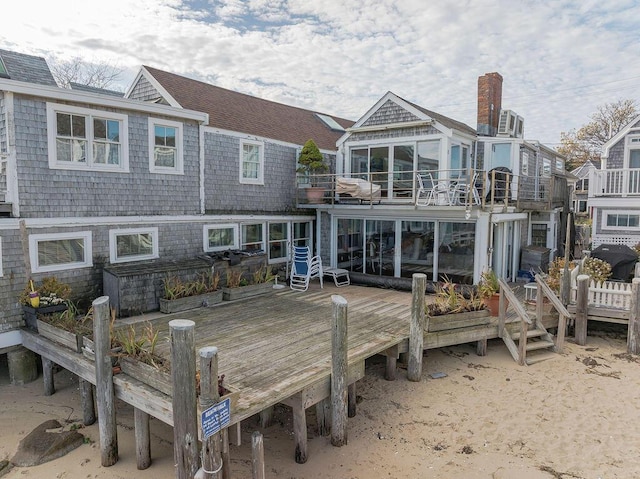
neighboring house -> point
(92, 180)
(614, 190)
(581, 191)
(420, 222)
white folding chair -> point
(305, 267)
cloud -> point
(560, 59)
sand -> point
(574, 416)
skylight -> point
(3, 70)
(330, 122)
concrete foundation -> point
(23, 367)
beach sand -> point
(574, 416)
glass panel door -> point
(417, 248)
(456, 245)
(380, 247)
(350, 244)
(379, 168)
(402, 171)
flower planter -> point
(88, 351)
(315, 194)
(458, 320)
(71, 340)
(242, 292)
(31, 314)
(161, 380)
(493, 303)
(190, 302)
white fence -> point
(608, 294)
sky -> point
(560, 59)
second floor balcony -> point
(433, 188)
(616, 182)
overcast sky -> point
(560, 59)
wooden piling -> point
(88, 407)
(300, 429)
(143, 438)
(339, 371)
(392, 363)
(257, 456)
(323, 417)
(266, 417)
(351, 409)
(633, 332)
(209, 395)
(226, 455)
(47, 376)
(582, 305)
(104, 382)
(183, 378)
(416, 329)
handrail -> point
(507, 294)
(514, 301)
(555, 301)
(545, 290)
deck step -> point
(535, 345)
(540, 356)
(531, 333)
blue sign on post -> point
(215, 418)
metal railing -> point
(455, 188)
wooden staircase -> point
(523, 332)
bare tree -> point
(95, 74)
(586, 143)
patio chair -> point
(464, 191)
(432, 191)
(305, 268)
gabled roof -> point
(26, 68)
(233, 111)
(583, 170)
(633, 124)
(445, 120)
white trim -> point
(155, 84)
(620, 229)
(219, 226)
(10, 338)
(616, 138)
(75, 222)
(113, 244)
(90, 115)
(34, 239)
(1, 274)
(201, 173)
(178, 169)
(260, 179)
(264, 233)
(391, 126)
(288, 240)
(63, 94)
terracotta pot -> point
(493, 303)
(315, 194)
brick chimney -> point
(489, 103)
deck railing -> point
(489, 189)
(617, 182)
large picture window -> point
(61, 251)
(165, 145)
(133, 244)
(251, 162)
(85, 139)
(220, 237)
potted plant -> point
(312, 163)
(240, 285)
(489, 290)
(50, 296)
(180, 295)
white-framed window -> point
(165, 147)
(632, 154)
(278, 242)
(84, 139)
(251, 162)
(60, 251)
(253, 237)
(220, 237)
(614, 220)
(133, 244)
(581, 206)
(302, 234)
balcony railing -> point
(455, 188)
(618, 182)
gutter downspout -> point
(201, 160)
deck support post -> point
(300, 429)
(351, 409)
(183, 378)
(104, 382)
(416, 329)
(143, 439)
(323, 417)
(633, 332)
(47, 376)
(226, 456)
(88, 407)
(481, 347)
(266, 417)
(22, 365)
(209, 395)
(392, 363)
(339, 388)
(582, 304)
(257, 456)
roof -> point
(234, 111)
(445, 120)
(583, 169)
(92, 89)
(26, 68)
